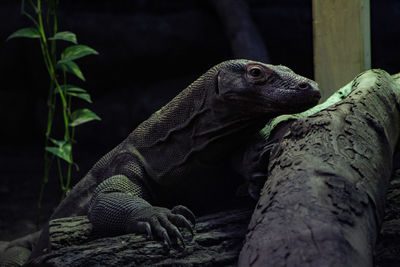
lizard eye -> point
(255, 72)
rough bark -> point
(387, 252)
(324, 198)
(73, 235)
(217, 242)
(245, 39)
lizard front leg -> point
(120, 205)
(251, 162)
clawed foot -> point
(256, 160)
(162, 223)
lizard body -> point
(200, 127)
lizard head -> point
(262, 88)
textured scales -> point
(200, 126)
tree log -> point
(217, 242)
(71, 234)
(324, 198)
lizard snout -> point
(311, 90)
(315, 93)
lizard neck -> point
(190, 128)
(176, 116)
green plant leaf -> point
(71, 67)
(62, 150)
(25, 32)
(58, 142)
(65, 36)
(76, 51)
(70, 88)
(81, 116)
(83, 96)
(75, 91)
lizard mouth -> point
(313, 96)
(295, 101)
(309, 97)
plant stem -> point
(51, 102)
(68, 182)
(60, 174)
(50, 62)
(51, 70)
(68, 178)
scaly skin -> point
(198, 128)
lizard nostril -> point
(303, 86)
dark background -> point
(149, 51)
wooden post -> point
(342, 46)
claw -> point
(188, 227)
(162, 223)
(160, 230)
(180, 237)
(267, 147)
(182, 210)
(141, 227)
(181, 221)
(172, 230)
(166, 237)
(148, 230)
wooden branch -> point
(245, 39)
(324, 198)
(217, 242)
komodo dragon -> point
(199, 127)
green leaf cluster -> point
(68, 56)
(75, 91)
(72, 53)
(67, 63)
(45, 29)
